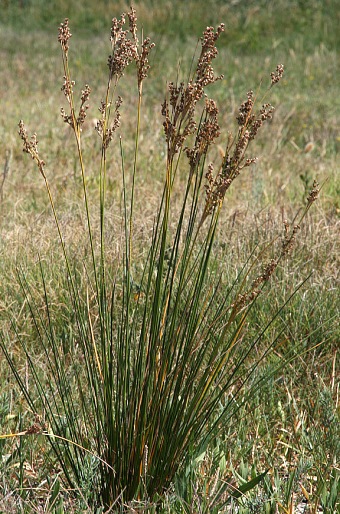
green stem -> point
(134, 175)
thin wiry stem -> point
(77, 132)
(139, 106)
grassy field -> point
(284, 417)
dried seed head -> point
(85, 95)
(246, 298)
(276, 75)
(204, 70)
(31, 147)
(64, 35)
(143, 65)
(207, 132)
(289, 237)
(267, 272)
(250, 161)
(107, 133)
(179, 110)
(82, 115)
(240, 148)
(314, 193)
(67, 87)
(215, 190)
(125, 48)
(133, 24)
(117, 29)
(66, 117)
(245, 110)
(234, 158)
(265, 113)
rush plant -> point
(156, 346)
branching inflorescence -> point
(235, 159)
(180, 107)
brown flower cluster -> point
(287, 243)
(276, 75)
(215, 189)
(235, 156)
(289, 237)
(313, 194)
(30, 146)
(123, 48)
(67, 88)
(126, 48)
(250, 122)
(246, 298)
(207, 132)
(106, 133)
(85, 95)
(179, 108)
(71, 119)
(64, 36)
(205, 72)
(143, 65)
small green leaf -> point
(244, 488)
(55, 492)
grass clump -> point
(147, 356)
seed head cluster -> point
(235, 158)
(126, 48)
(276, 75)
(67, 88)
(75, 122)
(85, 95)
(123, 48)
(106, 133)
(30, 146)
(64, 35)
(207, 132)
(179, 107)
(287, 243)
(71, 119)
(246, 298)
(313, 194)
(205, 71)
(143, 65)
(289, 237)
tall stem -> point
(134, 173)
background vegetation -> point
(292, 424)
